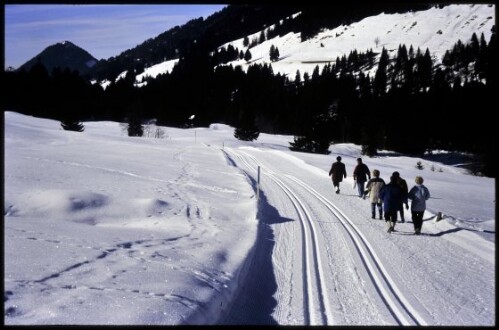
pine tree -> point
(271, 52)
(306, 77)
(135, 127)
(315, 73)
(72, 125)
(317, 134)
(274, 53)
(380, 78)
(247, 55)
(261, 39)
(297, 77)
(246, 129)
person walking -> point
(373, 188)
(360, 175)
(419, 194)
(392, 197)
(337, 173)
(405, 190)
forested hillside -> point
(402, 100)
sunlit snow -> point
(102, 228)
(437, 29)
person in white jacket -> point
(373, 187)
(419, 194)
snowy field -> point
(101, 228)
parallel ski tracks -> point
(401, 309)
(317, 306)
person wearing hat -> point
(373, 188)
(419, 194)
(337, 173)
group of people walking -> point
(390, 198)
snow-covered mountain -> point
(437, 29)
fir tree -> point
(135, 127)
(247, 55)
(380, 78)
(274, 53)
(297, 77)
(317, 136)
(72, 125)
(246, 129)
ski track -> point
(317, 308)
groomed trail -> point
(333, 265)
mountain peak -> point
(66, 43)
(63, 54)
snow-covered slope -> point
(102, 228)
(150, 72)
(437, 29)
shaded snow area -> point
(102, 228)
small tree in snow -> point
(246, 129)
(72, 125)
(151, 130)
(274, 53)
(247, 55)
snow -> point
(155, 70)
(437, 29)
(150, 72)
(101, 228)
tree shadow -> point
(455, 229)
(450, 231)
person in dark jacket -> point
(337, 173)
(405, 190)
(392, 197)
(360, 175)
(419, 194)
(373, 188)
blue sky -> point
(102, 30)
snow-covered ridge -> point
(437, 29)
